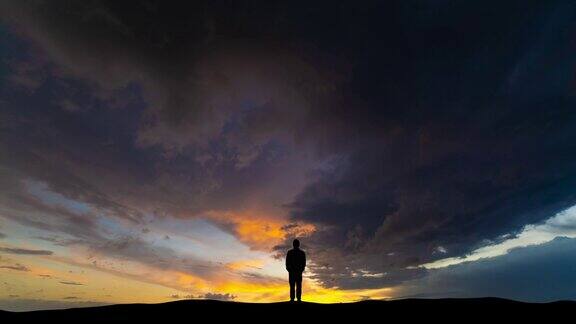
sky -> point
(162, 150)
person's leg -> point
(299, 287)
(292, 282)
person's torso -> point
(296, 259)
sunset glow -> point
(153, 151)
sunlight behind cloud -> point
(257, 230)
(562, 224)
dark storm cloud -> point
(433, 126)
(208, 69)
(466, 137)
(25, 251)
(540, 273)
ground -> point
(409, 310)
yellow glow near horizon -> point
(45, 280)
(53, 280)
(79, 274)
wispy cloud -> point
(73, 283)
(25, 251)
(17, 267)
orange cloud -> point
(260, 231)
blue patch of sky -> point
(41, 191)
(200, 239)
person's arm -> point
(304, 263)
(288, 261)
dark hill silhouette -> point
(397, 311)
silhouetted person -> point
(295, 264)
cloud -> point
(251, 228)
(196, 90)
(387, 153)
(30, 203)
(92, 231)
(176, 296)
(47, 276)
(540, 273)
(212, 296)
(72, 283)
(561, 225)
(25, 251)
(16, 267)
(215, 296)
(73, 178)
(453, 159)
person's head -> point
(296, 243)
